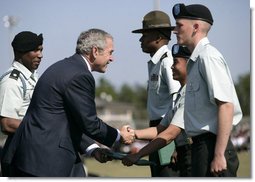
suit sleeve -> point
(80, 99)
(86, 142)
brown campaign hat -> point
(155, 20)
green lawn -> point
(245, 167)
(116, 169)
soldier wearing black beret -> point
(17, 85)
(180, 51)
(182, 142)
(211, 102)
(193, 11)
(171, 127)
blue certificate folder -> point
(165, 153)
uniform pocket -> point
(153, 85)
(192, 89)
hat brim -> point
(156, 28)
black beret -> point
(180, 51)
(26, 41)
(193, 11)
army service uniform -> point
(16, 89)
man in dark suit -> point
(62, 111)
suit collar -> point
(87, 63)
(79, 58)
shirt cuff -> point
(118, 137)
(91, 148)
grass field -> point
(116, 169)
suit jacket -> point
(62, 109)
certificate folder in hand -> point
(165, 153)
(120, 156)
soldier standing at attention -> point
(156, 34)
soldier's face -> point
(31, 60)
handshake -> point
(127, 137)
(127, 134)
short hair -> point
(91, 38)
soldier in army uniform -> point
(162, 88)
(18, 82)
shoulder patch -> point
(163, 56)
(14, 74)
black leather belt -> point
(203, 137)
(183, 147)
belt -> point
(183, 141)
(203, 137)
(183, 147)
(189, 140)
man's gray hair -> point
(91, 38)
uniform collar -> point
(204, 41)
(156, 57)
(26, 72)
(182, 90)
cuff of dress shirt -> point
(118, 137)
(91, 148)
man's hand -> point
(218, 165)
(100, 155)
(130, 159)
(9, 125)
(174, 157)
(127, 134)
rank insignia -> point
(14, 74)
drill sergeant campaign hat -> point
(180, 51)
(26, 41)
(155, 20)
(193, 11)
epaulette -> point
(14, 74)
(163, 56)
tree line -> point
(137, 95)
